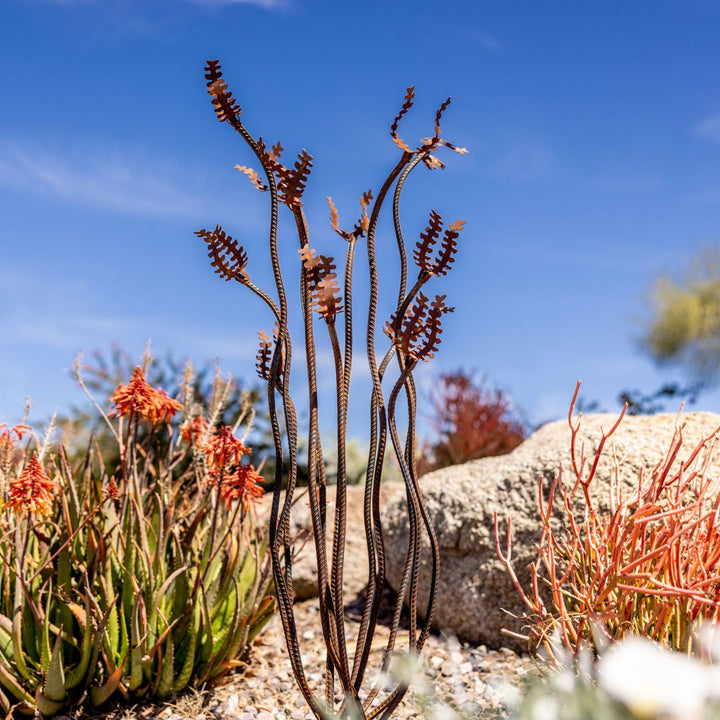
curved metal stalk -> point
(376, 453)
(415, 332)
(397, 225)
(279, 520)
(317, 487)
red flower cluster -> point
(112, 491)
(32, 490)
(8, 443)
(237, 481)
(243, 485)
(192, 431)
(141, 398)
(224, 451)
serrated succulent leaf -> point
(17, 629)
(100, 694)
(10, 681)
(167, 669)
(53, 686)
(189, 660)
(6, 640)
(137, 644)
(45, 705)
(77, 674)
(208, 636)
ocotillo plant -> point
(414, 330)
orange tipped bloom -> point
(192, 431)
(111, 489)
(8, 443)
(141, 398)
(242, 485)
(6, 434)
(32, 491)
(224, 451)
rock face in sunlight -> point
(475, 588)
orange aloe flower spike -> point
(243, 485)
(140, 397)
(223, 451)
(32, 490)
(193, 430)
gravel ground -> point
(481, 683)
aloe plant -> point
(131, 585)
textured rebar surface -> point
(414, 330)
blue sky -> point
(594, 165)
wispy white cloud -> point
(267, 4)
(526, 161)
(485, 39)
(57, 314)
(709, 196)
(628, 183)
(65, 2)
(709, 129)
(116, 179)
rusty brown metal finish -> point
(414, 330)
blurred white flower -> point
(650, 680)
(546, 708)
(502, 692)
(564, 679)
(442, 711)
(709, 639)
(407, 669)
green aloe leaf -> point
(264, 614)
(17, 633)
(100, 694)
(137, 644)
(6, 638)
(188, 650)
(98, 640)
(53, 686)
(45, 705)
(227, 639)
(45, 650)
(208, 642)
(77, 674)
(64, 580)
(166, 676)
(113, 630)
(11, 682)
(248, 573)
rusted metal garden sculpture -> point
(414, 330)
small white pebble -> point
(230, 706)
